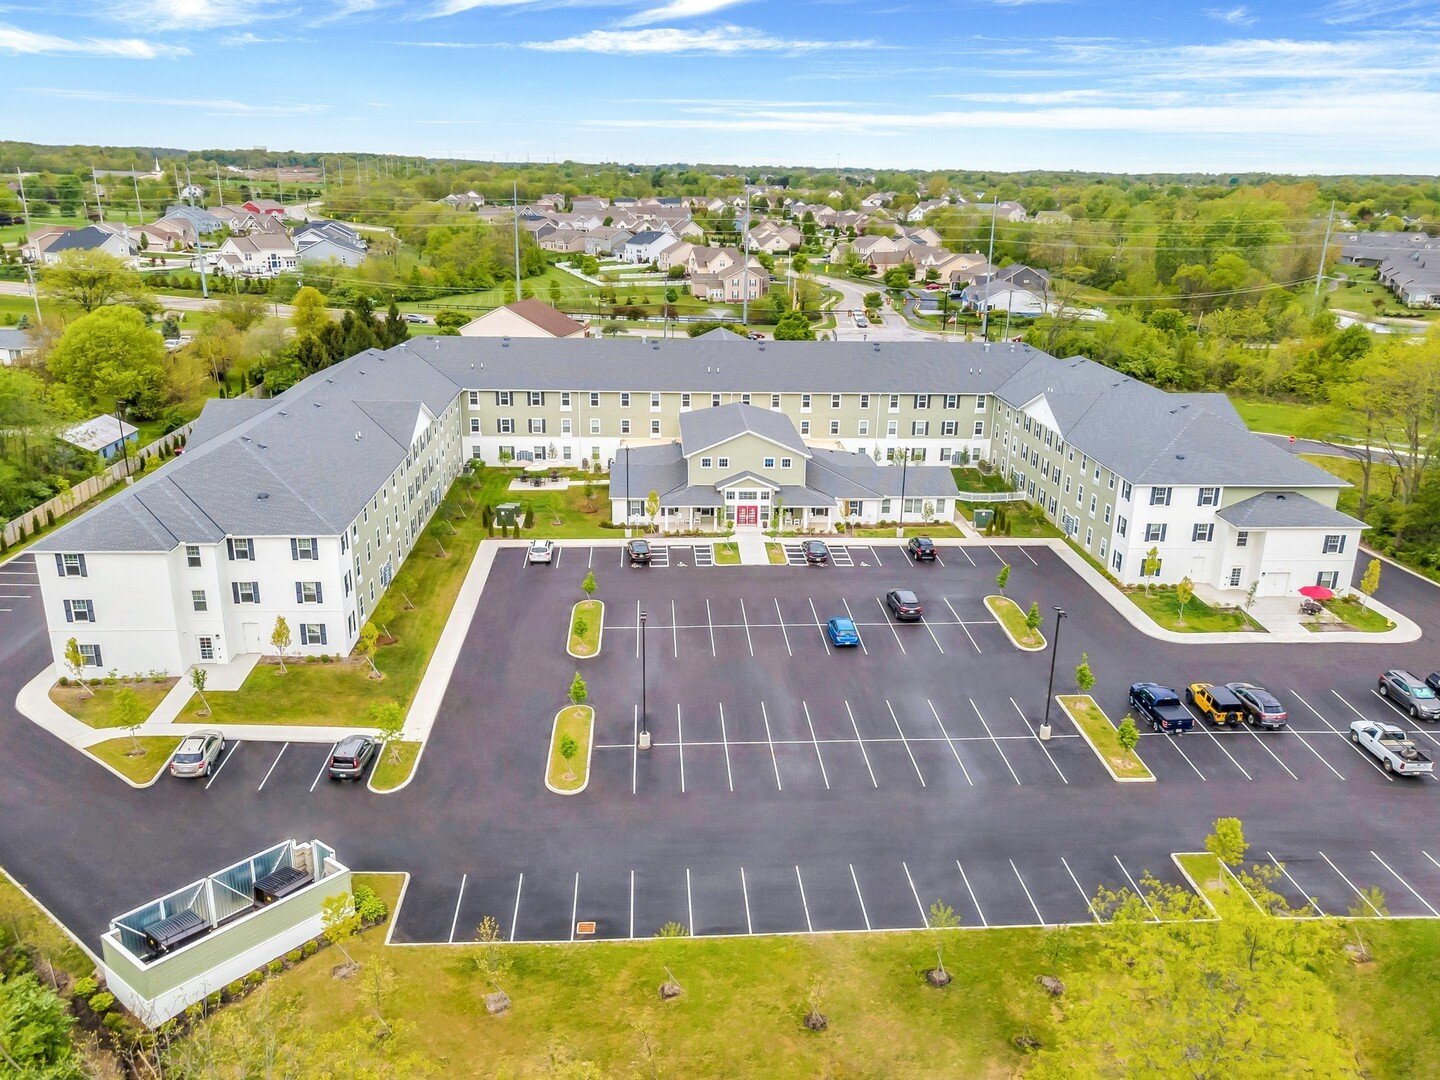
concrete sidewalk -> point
(751, 546)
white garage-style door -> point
(1274, 584)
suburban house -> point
(329, 241)
(39, 239)
(1002, 211)
(1052, 217)
(743, 465)
(923, 209)
(468, 201)
(91, 238)
(303, 505)
(524, 319)
(996, 294)
(268, 207)
(775, 238)
(645, 247)
(257, 254)
(203, 221)
(1374, 248)
(15, 345)
(733, 282)
(1414, 277)
(588, 204)
(104, 435)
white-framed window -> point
(198, 600)
(744, 399)
(834, 401)
(949, 428)
(312, 633)
(1209, 496)
(1094, 502)
(304, 547)
(80, 611)
(920, 427)
(308, 592)
(804, 427)
(864, 428)
(774, 401)
(1242, 538)
(1107, 513)
(654, 428)
(804, 402)
(1089, 536)
(786, 462)
(537, 425)
(1202, 533)
(1125, 490)
(625, 400)
(594, 400)
(565, 426)
(894, 405)
(245, 592)
(1067, 485)
(1154, 533)
(684, 401)
(654, 402)
(1334, 544)
(503, 397)
(1330, 579)
(192, 555)
(565, 400)
(980, 402)
(722, 463)
(1115, 560)
(922, 401)
(1234, 579)
(892, 428)
(594, 426)
(624, 427)
(769, 463)
(505, 425)
(979, 429)
(474, 425)
(706, 462)
(240, 548)
(714, 401)
(864, 401)
(834, 427)
(952, 401)
(207, 648)
(537, 399)
(90, 654)
(474, 399)
(1160, 496)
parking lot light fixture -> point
(1050, 685)
(644, 727)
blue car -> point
(842, 632)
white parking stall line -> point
(515, 915)
(851, 614)
(272, 766)
(725, 742)
(748, 640)
(878, 561)
(1338, 774)
(803, 902)
(623, 554)
(861, 743)
(823, 774)
(711, 624)
(1203, 725)
(1174, 741)
(905, 741)
(967, 556)
(824, 639)
(1038, 740)
(1033, 560)
(1262, 742)
(632, 905)
(1352, 885)
(637, 629)
(558, 552)
(1409, 888)
(323, 766)
(224, 760)
(781, 617)
(590, 558)
(840, 556)
(455, 921)
(575, 905)
(995, 741)
(934, 712)
(973, 898)
(635, 751)
(961, 622)
(1135, 886)
(992, 551)
(1033, 906)
(1348, 742)
(745, 892)
(680, 735)
(886, 616)
(932, 636)
(924, 916)
(1406, 717)
(14, 596)
(765, 715)
(861, 897)
(689, 904)
(674, 631)
(1080, 889)
(1310, 900)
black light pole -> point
(644, 728)
(627, 491)
(904, 469)
(120, 420)
(1050, 688)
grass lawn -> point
(337, 695)
(24, 922)
(967, 479)
(1092, 718)
(1200, 618)
(1211, 879)
(391, 773)
(1360, 289)
(578, 722)
(1295, 418)
(592, 613)
(574, 293)
(1357, 616)
(95, 710)
(1013, 619)
(577, 518)
(933, 528)
(1023, 520)
(776, 554)
(727, 553)
(142, 767)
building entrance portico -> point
(747, 514)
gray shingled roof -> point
(220, 415)
(700, 429)
(650, 468)
(843, 474)
(1286, 510)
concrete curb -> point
(589, 750)
(599, 639)
(1150, 779)
(1013, 639)
(51, 916)
(137, 785)
(1175, 857)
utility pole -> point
(139, 213)
(1324, 247)
(515, 200)
(29, 266)
(99, 206)
(34, 294)
(990, 259)
(745, 262)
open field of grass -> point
(337, 694)
(119, 754)
(1357, 616)
(95, 710)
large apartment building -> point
(306, 504)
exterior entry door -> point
(747, 514)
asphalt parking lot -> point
(790, 787)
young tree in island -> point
(75, 664)
(1084, 677)
(1151, 566)
(1184, 590)
(1003, 578)
(578, 690)
(341, 922)
(198, 677)
(280, 639)
(1227, 841)
(589, 585)
(388, 720)
(1127, 734)
(127, 713)
(1370, 581)
(652, 507)
(942, 917)
(568, 749)
(1032, 617)
(492, 961)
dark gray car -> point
(1411, 694)
(350, 756)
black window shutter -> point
(315, 548)
(1342, 541)
(250, 549)
(230, 549)
(235, 591)
(98, 662)
(299, 591)
(319, 594)
(60, 564)
(255, 585)
(82, 565)
(322, 633)
(294, 548)
(69, 612)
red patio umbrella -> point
(1317, 592)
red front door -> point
(747, 514)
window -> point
(1089, 536)
(922, 401)
(474, 399)
(1203, 534)
(706, 462)
(90, 654)
(654, 402)
(474, 425)
(537, 425)
(804, 402)
(834, 427)
(714, 401)
(565, 400)
(1242, 538)
(1154, 533)
(594, 401)
(1209, 496)
(864, 428)
(1334, 544)
(79, 611)
(684, 401)
(894, 403)
(594, 426)
(952, 401)
(864, 401)
(980, 402)
(804, 427)
(1067, 485)
(892, 428)
(1330, 579)
(624, 427)
(979, 428)
(198, 601)
(834, 401)
(565, 428)
(507, 451)
(774, 401)
(346, 582)
(1160, 496)
(920, 427)
(654, 428)
(1125, 490)
(245, 592)
(1107, 513)
(786, 462)
(312, 633)
(949, 428)
(1094, 502)
(769, 463)
(308, 592)
(305, 547)
(1235, 572)
(207, 648)
(503, 397)
(744, 399)
(242, 549)
(1154, 568)
(505, 425)
(537, 398)
(624, 400)
(192, 554)
(723, 463)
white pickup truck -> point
(1392, 746)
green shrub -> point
(370, 907)
(255, 978)
(85, 988)
(194, 1012)
(294, 956)
(115, 1021)
(275, 967)
(214, 1000)
(102, 1002)
(235, 989)
(311, 947)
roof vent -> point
(357, 436)
(315, 404)
(244, 438)
(505, 344)
(1179, 457)
(1279, 498)
(262, 495)
(284, 413)
(261, 446)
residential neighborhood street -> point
(890, 326)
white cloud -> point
(1235, 16)
(678, 9)
(210, 106)
(663, 40)
(16, 41)
(197, 14)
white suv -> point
(540, 551)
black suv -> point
(815, 551)
(350, 756)
(904, 604)
(638, 550)
(921, 549)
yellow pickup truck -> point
(1216, 704)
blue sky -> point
(1118, 85)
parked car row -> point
(198, 756)
(1219, 704)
